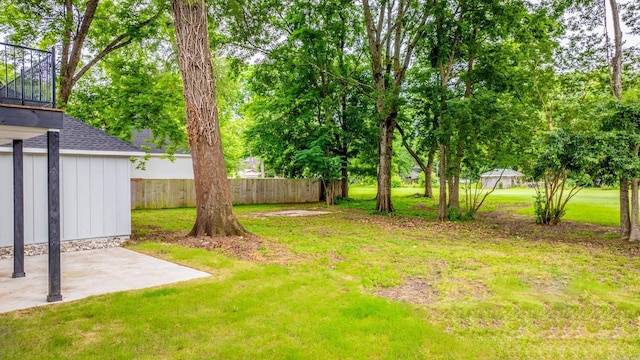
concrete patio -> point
(87, 273)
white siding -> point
(6, 199)
(123, 198)
(85, 200)
(97, 202)
(158, 168)
(39, 200)
(94, 198)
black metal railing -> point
(27, 76)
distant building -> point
(158, 165)
(251, 168)
(507, 177)
(412, 176)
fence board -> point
(173, 193)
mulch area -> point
(248, 248)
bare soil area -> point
(249, 248)
(287, 213)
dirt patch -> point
(391, 221)
(241, 247)
(250, 247)
(287, 213)
(414, 291)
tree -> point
(310, 86)
(394, 29)
(628, 227)
(130, 92)
(214, 212)
(89, 30)
(621, 130)
(320, 165)
(470, 90)
(564, 155)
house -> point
(251, 168)
(412, 176)
(501, 179)
(27, 110)
(94, 186)
(60, 179)
(158, 165)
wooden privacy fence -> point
(173, 193)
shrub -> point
(396, 181)
(454, 214)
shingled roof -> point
(77, 135)
(143, 140)
(502, 172)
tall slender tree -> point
(628, 229)
(394, 29)
(214, 212)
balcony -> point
(27, 109)
(27, 76)
(27, 92)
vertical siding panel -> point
(40, 199)
(69, 197)
(97, 196)
(123, 198)
(84, 196)
(29, 176)
(110, 207)
(6, 199)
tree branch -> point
(114, 45)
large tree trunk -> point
(454, 187)
(428, 188)
(214, 212)
(345, 178)
(383, 198)
(454, 192)
(635, 231)
(625, 221)
(442, 201)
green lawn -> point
(591, 205)
(471, 290)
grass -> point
(591, 205)
(491, 294)
(244, 311)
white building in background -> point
(158, 165)
(251, 168)
(501, 179)
(94, 186)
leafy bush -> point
(454, 214)
(544, 211)
(396, 181)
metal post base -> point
(54, 298)
(18, 275)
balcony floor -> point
(23, 122)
